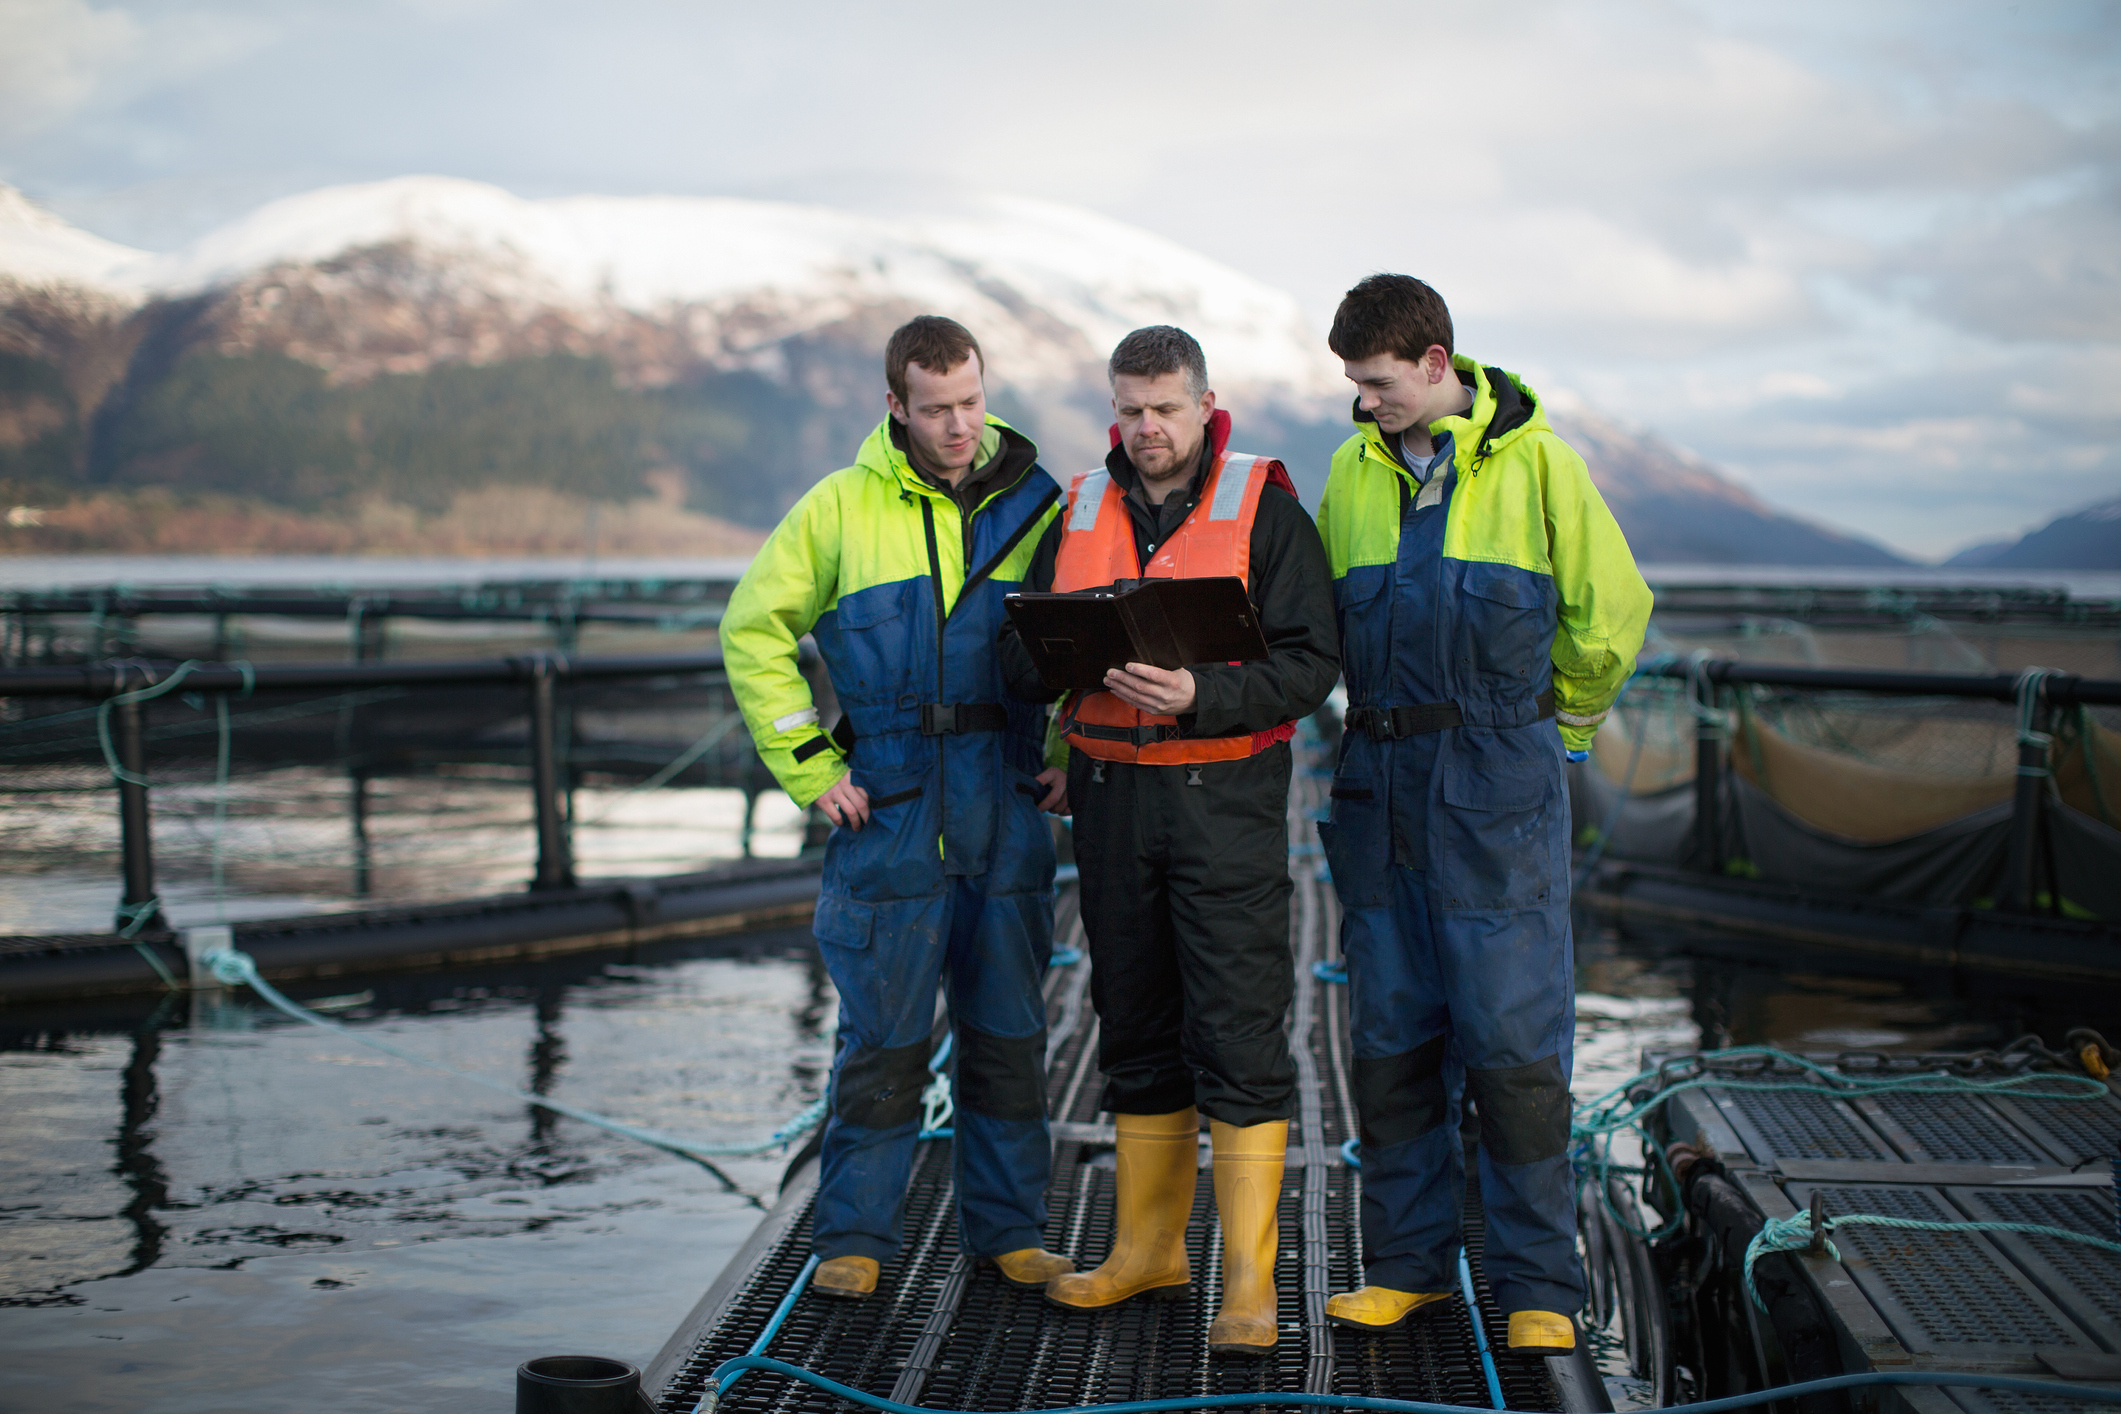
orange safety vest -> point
(1097, 548)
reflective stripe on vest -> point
(1097, 549)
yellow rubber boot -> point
(1378, 1308)
(1541, 1330)
(1159, 1157)
(1031, 1266)
(1248, 1164)
(845, 1278)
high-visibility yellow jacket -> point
(873, 562)
(1527, 584)
(1474, 611)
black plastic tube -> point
(2061, 688)
(99, 680)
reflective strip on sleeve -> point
(1230, 487)
(1572, 720)
(1089, 495)
(805, 718)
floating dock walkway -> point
(1957, 1138)
(948, 1333)
(1987, 1302)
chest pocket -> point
(1364, 614)
(1506, 628)
(876, 657)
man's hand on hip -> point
(1164, 691)
(1055, 779)
(845, 804)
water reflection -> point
(136, 1164)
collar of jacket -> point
(1504, 408)
(1122, 466)
(882, 455)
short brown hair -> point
(1157, 350)
(935, 343)
(1390, 314)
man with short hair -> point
(1484, 595)
(940, 866)
(1179, 781)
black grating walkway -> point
(950, 1335)
(2019, 1304)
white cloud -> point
(55, 54)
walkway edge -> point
(743, 1266)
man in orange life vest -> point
(1179, 782)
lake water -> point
(208, 1208)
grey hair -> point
(1157, 350)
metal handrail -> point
(115, 676)
(125, 685)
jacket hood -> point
(882, 455)
(1504, 406)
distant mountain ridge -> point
(2084, 539)
(412, 342)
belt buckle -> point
(938, 718)
(1383, 726)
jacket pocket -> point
(843, 922)
(894, 855)
(1363, 613)
(1495, 831)
(873, 664)
(1506, 626)
(1357, 841)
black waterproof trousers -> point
(1185, 898)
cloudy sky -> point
(1865, 255)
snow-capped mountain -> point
(411, 342)
(40, 251)
(1048, 289)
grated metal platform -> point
(948, 1334)
(1998, 1303)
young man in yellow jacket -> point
(940, 867)
(1489, 612)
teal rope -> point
(136, 916)
(773, 1328)
(1480, 1331)
(182, 671)
(1597, 1121)
(235, 968)
(683, 759)
(1794, 1234)
(2054, 1389)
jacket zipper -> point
(942, 615)
(942, 755)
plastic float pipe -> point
(2054, 1389)
(109, 679)
(2061, 688)
(579, 1384)
(703, 604)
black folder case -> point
(1171, 623)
